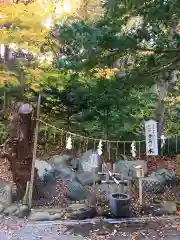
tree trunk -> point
(18, 148)
(160, 109)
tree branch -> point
(52, 48)
(175, 60)
(158, 50)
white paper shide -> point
(151, 138)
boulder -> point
(2, 207)
(60, 160)
(87, 178)
(165, 175)
(59, 173)
(22, 211)
(64, 173)
(11, 209)
(55, 183)
(157, 180)
(75, 163)
(153, 184)
(85, 161)
(54, 193)
(56, 216)
(168, 207)
(42, 167)
(49, 177)
(127, 168)
(62, 178)
(172, 180)
(39, 216)
(6, 192)
(160, 209)
(81, 212)
(45, 216)
(76, 191)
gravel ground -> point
(13, 229)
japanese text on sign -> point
(151, 138)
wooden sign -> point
(151, 138)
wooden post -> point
(107, 181)
(129, 187)
(122, 185)
(94, 180)
(94, 164)
(140, 192)
(34, 152)
(140, 176)
(4, 103)
(94, 185)
(25, 199)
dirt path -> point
(11, 228)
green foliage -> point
(100, 82)
(86, 45)
(173, 111)
(135, 38)
(98, 107)
(3, 131)
(172, 146)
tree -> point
(106, 67)
(18, 147)
(18, 26)
(19, 32)
(85, 9)
(173, 112)
(142, 35)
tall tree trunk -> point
(164, 86)
(18, 148)
(160, 112)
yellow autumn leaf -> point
(8, 79)
(106, 73)
(35, 87)
(26, 22)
